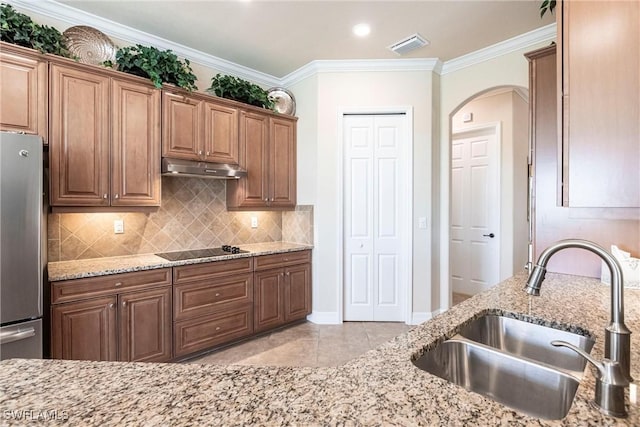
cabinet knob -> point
(217, 328)
(111, 305)
(288, 273)
(105, 195)
(200, 152)
(217, 294)
(207, 153)
(272, 199)
(124, 303)
(117, 196)
(118, 284)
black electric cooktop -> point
(201, 253)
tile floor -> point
(309, 344)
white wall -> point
(334, 91)
(457, 88)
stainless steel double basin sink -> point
(512, 362)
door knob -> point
(490, 235)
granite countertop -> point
(77, 269)
(382, 387)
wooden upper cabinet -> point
(181, 126)
(197, 128)
(282, 155)
(23, 92)
(79, 137)
(135, 145)
(268, 152)
(599, 74)
(220, 133)
(105, 136)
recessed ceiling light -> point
(361, 30)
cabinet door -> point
(600, 103)
(145, 326)
(251, 192)
(268, 299)
(181, 126)
(220, 133)
(84, 330)
(297, 293)
(135, 143)
(282, 163)
(79, 138)
(23, 94)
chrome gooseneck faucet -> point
(617, 345)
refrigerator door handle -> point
(7, 337)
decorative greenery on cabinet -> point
(549, 5)
(159, 66)
(18, 28)
(240, 90)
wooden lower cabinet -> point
(204, 332)
(282, 295)
(85, 330)
(213, 304)
(145, 326)
(126, 325)
(269, 299)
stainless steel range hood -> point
(181, 167)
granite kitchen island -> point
(382, 387)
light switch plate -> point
(254, 222)
(118, 226)
(422, 222)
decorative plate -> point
(89, 45)
(285, 103)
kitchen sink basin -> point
(524, 385)
(529, 340)
(512, 362)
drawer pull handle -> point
(217, 328)
(217, 294)
(118, 284)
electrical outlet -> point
(254, 222)
(118, 226)
(422, 222)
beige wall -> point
(457, 88)
(334, 91)
(509, 109)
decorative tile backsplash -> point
(193, 215)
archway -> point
(488, 216)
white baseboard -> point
(324, 318)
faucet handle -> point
(610, 382)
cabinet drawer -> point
(209, 270)
(205, 332)
(208, 296)
(279, 260)
(77, 289)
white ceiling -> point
(279, 37)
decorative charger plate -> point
(285, 103)
(89, 45)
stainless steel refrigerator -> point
(22, 245)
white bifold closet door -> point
(375, 197)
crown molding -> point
(359, 65)
(539, 35)
(73, 16)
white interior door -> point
(475, 211)
(375, 277)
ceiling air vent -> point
(408, 44)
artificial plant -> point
(159, 66)
(237, 89)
